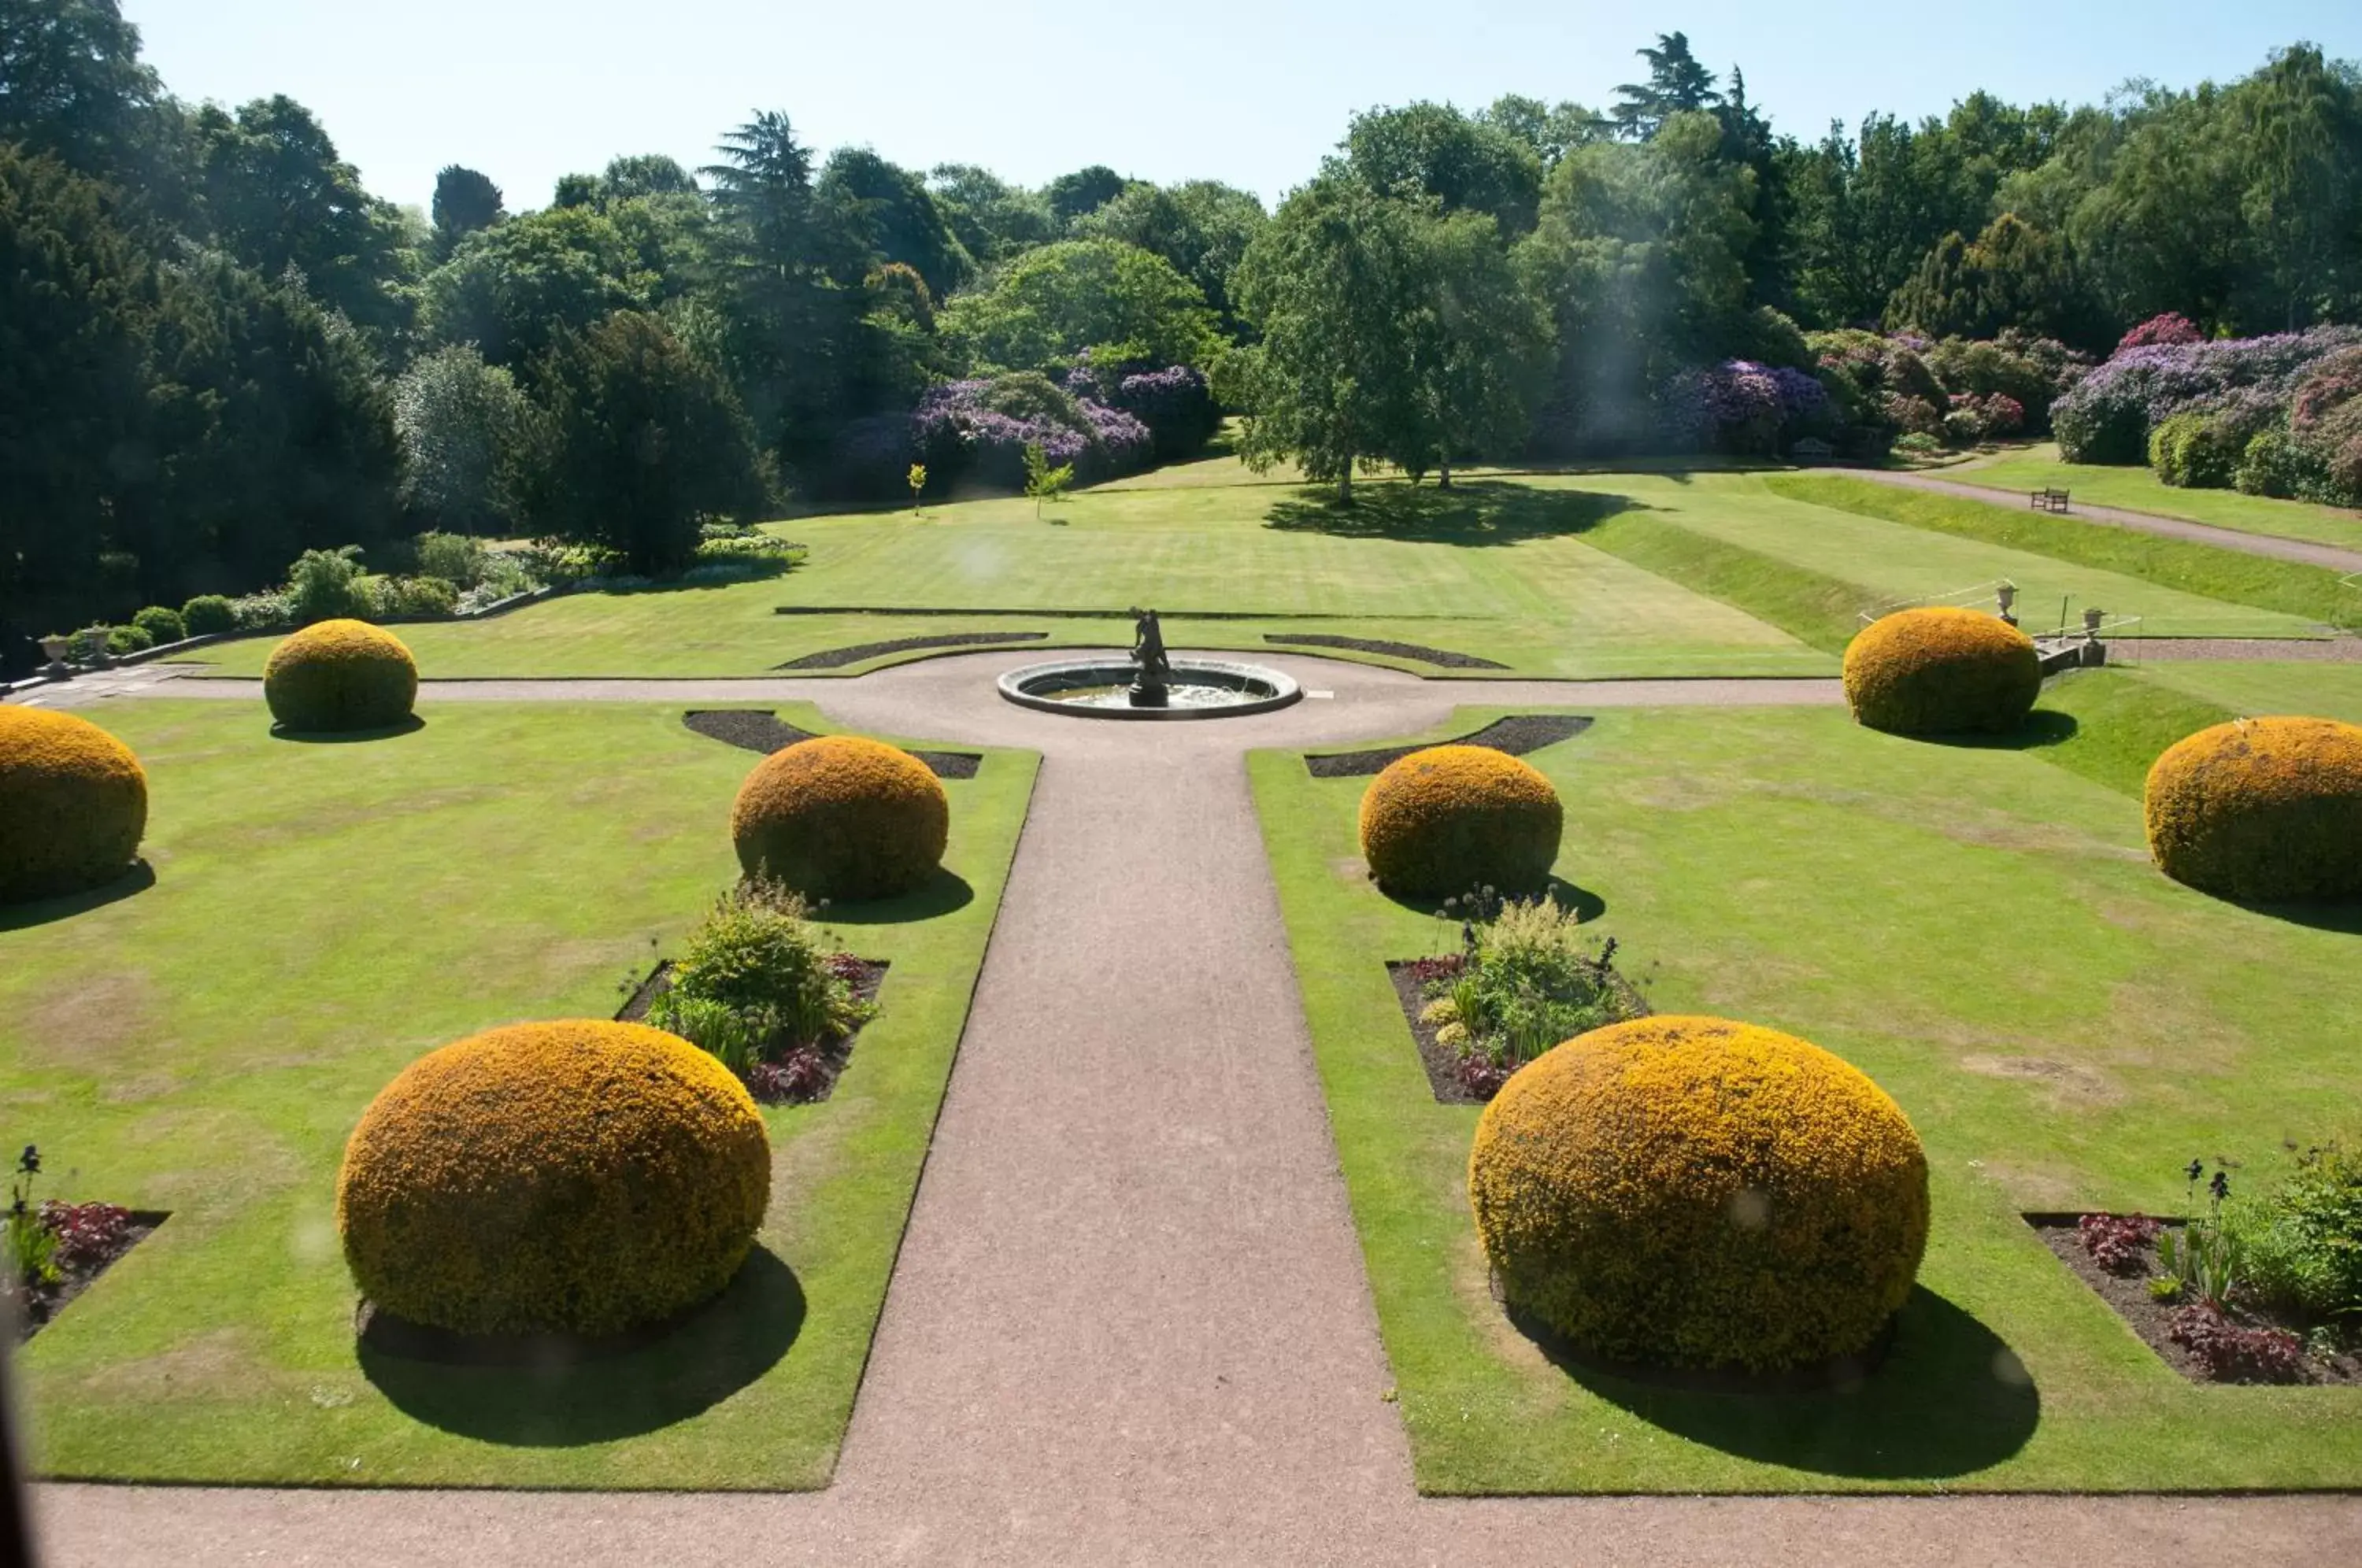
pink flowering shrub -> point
(2172, 328)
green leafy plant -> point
(2302, 1240)
(759, 981)
(917, 480)
(1044, 483)
(731, 1036)
(31, 1246)
(1528, 979)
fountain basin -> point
(1100, 688)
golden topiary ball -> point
(2266, 810)
(1697, 1193)
(73, 803)
(340, 675)
(1442, 821)
(842, 817)
(1942, 671)
(577, 1178)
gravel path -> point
(2269, 651)
(1129, 1321)
(2272, 544)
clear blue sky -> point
(1252, 92)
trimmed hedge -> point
(1693, 1192)
(1941, 672)
(73, 804)
(1450, 818)
(340, 675)
(842, 817)
(577, 1176)
(2264, 811)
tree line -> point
(219, 350)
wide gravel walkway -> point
(1129, 1322)
(2272, 544)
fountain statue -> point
(1151, 667)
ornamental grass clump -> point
(1439, 820)
(340, 675)
(1691, 1192)
(2264, 811)
(73, 804)
(572, 1177)
(1941, 672)
(842, 817)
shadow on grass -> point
(2343, 917)
(138, 880)
(1950, 1398)
(1472, 512)
(562, 1400)
(943, 893)
(409, 726)
(2043, 728)
(1581, 902)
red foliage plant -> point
(2233, 1354)
(89, 1234)
(2118, 1242)
(2170, 329)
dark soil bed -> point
(751, 728)
(866, 976)
(41, 1305)
(837, 659)
(1441, 1061)
(2152, 1319)
(1517, 735)
(1443, 658)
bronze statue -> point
(1151, 665)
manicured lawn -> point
(2319, 691)
(2180, 589)
(320, 915)
(2138, 489)
(1493, 563)
(1979, 931)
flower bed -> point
(55, 1251)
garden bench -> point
(2047, 500)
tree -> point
(1463, 163)
(993, 220)
(464, 428)
(886, 214)
(2300, 123)
(1677, 84)
(465, 201)
(72, 85)
(1638, 256)
(644, 174)
(1483, 345)
(1202, 227)
(644, 443)
(513, 289)
(1113, 300)
(2012, 275)
(1549, 131)
(1084, 191)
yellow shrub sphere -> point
(842, 817)
(1941, 672)
(1443, 819)
(340, 675)
(1691, 1192)
(2263, 810)
(579, 1176)
(73, 803)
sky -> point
(1251, 91)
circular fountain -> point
(1150, 684)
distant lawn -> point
(1983, 934)
(1496, 568)
(2122, 722)
(2139, 489)
(2168, 582)
(321, 915)
(2318, 690)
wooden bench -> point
(2047, 500)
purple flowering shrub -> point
(1740, 406)
(2109, 416)
(2168, 330)
(976, 432)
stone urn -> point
(54, 650)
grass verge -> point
(2291, 587)
(320, 915)
(2138, 489)
(1986, 938)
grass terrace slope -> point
(2138, 489)
(1494, 568)
(1981, 933)
(321, 915)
